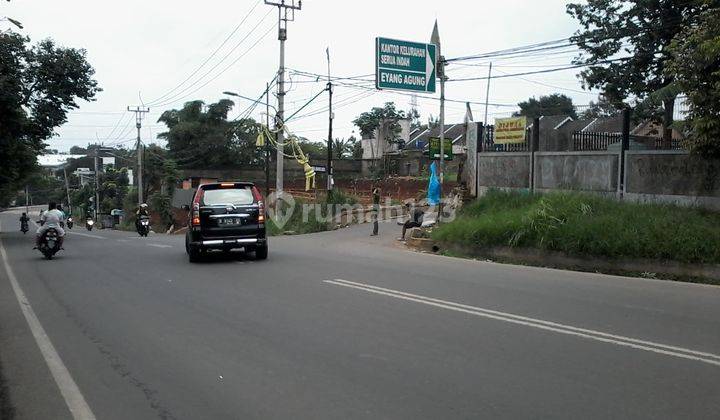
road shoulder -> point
(31, 388)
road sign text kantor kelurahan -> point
(404, 65)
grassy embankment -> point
(295, 222)
(587, 225)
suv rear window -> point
(223, 196)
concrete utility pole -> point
(440, 65)
(67, 190)
(487, 94)
(97, 185)
(330, 127)
(267, 141)
(286, 13)
(139, 115)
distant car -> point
(224, 216)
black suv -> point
(224, 216)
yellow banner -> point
(510, 130)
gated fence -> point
(594, 141)
(488, 142)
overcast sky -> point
(148, 48)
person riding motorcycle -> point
(59, 208)
(52, 218)
(24, 219)
(142, 211)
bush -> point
(295, 223)
(581, 224)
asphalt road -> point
(342, 325)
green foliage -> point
(696, 68)
(161, 204)
(113, 189)
(602, 108)
(386, 117)
(38, 85)
(42, 188)
(581, 224)
(639, 29)
(295, 223)
(344, 148)
(337, 196)
(201, 136)
(555, 104)
(313, 149)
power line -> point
(174, 100)
(574, 66)
(209, 57)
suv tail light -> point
(195, 211)
(261, 206)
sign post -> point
(404, 65)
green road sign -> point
(404, 65)
(434, 148)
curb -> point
(696, 273)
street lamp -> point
(257, 101)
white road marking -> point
(68, 388)
(619, 340)
(159, 245)
(86, 235)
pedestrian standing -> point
(375, 210)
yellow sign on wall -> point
(510, 130)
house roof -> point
(606, 125)
(420, 138)
(552, 121)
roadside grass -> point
(297, 225)
(587, 225)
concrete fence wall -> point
(586, 171)
(649, 176)
(507, 170)
(672, 176)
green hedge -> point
(587, 225)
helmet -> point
(143, 206)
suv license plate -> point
(230, 221)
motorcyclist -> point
(60, 209)
(51, 218)
(24, 219)
(142, 211)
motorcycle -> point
(24, 227)
(69, 222)
(143, 226)
(89, 224)
(50, 243)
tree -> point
(385, 118)
(343, 148)
(601, 108)
(38, 85)
(695, 66)
(642, 30)
(206, 139)
(77, 150)
(555, 104)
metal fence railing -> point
(595, 141)
(488, 142)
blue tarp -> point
(433, 196)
